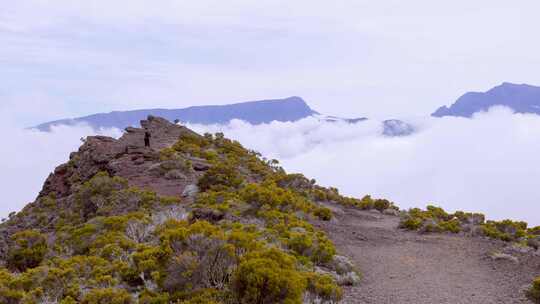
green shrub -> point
(27, 251)
(220, 176)
(411, 223)
(366, 203)
(320, 195)
(534, 292)
(324, 250)
(324, 288)
(203, 296)
(451, 226)
(269, 277)
(148, 297)
(437, 213)
(68, 300)
(506, 230)
(8, 294)
(534, 230)
(381, 204)
(301, 243)
(107, 296)
(323, 213)
(167, 154)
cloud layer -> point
(486, 164)
(28, 156)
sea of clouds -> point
(488, 163)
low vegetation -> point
(534, 291)
(245, 238)
(436, 219)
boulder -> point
(175, 174)
(190, 191)
(504, 256)
(517, 248)
(391, 211)
(534, 242)
(348, 279)
(341, 264)
(201, 166)
(207, 214)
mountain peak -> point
(521, 98)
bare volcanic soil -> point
(406, 267)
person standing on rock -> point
(147, 139)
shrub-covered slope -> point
(193, 219)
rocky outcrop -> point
(125, 157)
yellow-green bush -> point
(220, 176)
(269, 277)
(452, 225)
(506, 230)
(9, 293)
(381, 204)
(323, 213)
(534, 291)
(324, 288)
(27, 250)
(107, 296)
(435, 219)
(411, 223)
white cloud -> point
(486, 164)
(28, 156)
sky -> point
(357, 58)
(380, 59)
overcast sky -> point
(351, 58)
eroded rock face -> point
(125, 157)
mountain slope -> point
(521, 98)
(255, 112)
(190, 219)
(199, 219)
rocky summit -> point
(128, 158)
(165, 215)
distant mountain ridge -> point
(522, 98)
(289, 109)
(255, 112)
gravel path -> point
(405, 267)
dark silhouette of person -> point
(147, 139)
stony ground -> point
(406, 267)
